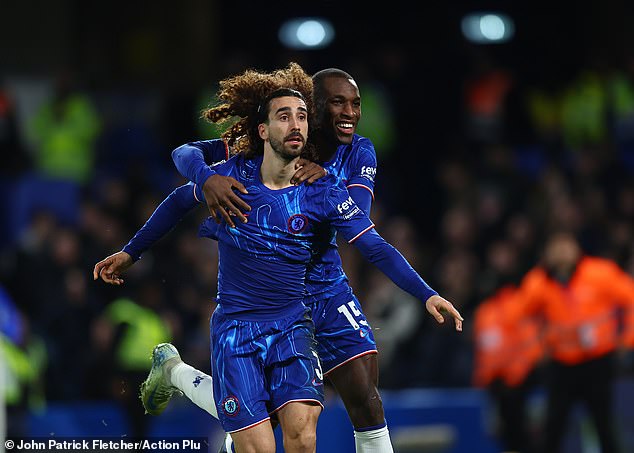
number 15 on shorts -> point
(343, 309)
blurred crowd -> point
(83, 170)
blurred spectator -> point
(456, 181)
(522, 232)
(580, 298)
(64, 301)
(64, 131)
(485, 99)
(584, 111)
(506, 359)
(459, 227)
(543, 107)
(131, 330)
(395, 317)
(24, 360)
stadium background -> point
(480, 147)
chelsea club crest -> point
(231, 406)
(297, 223)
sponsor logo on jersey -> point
(348, 208)
(368, 172)
(231, 406)
(297, 223)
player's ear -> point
(263, 131)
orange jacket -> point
(504, 348)
(581, 316)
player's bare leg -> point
(298, 421)
(357, 384)
(256, 439)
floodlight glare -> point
(492, 27)
(487, 28)
(311, 33)
(306, 33)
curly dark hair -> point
(241, 95)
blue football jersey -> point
(355, 165)
(263, 263)
(215, 151)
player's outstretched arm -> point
(163, 219)
(390, 261)
(112, 267)
(343, 213)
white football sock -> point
(373, 441)
(196, 386)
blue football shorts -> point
(341, 330)
(260, 366)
